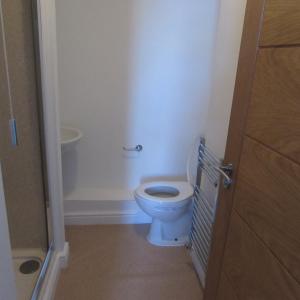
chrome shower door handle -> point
(137, 148)
(226, 171)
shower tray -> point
(26, 282)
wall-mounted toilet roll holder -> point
(137, 148)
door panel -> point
(281, 24)
(268, 198)
(253, 271)
(259, 252)
(226, 291)
(22, 166)
(274, 113)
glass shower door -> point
(21, 144)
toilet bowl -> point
(169, 204)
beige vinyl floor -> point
(115, 262)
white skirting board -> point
(58, 261)
(98, 206)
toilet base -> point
(165, 243)
(170, 234)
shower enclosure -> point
(22, 156)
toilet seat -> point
(167, 191)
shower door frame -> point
(50, 105)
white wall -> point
(229, 32)
(133, 72)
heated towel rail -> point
(210, 171)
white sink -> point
(69, 137)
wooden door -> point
(255, 252)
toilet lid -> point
(166, 191)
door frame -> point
(50, 105)
(46, 11)
(241, 100)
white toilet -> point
(169, 205)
